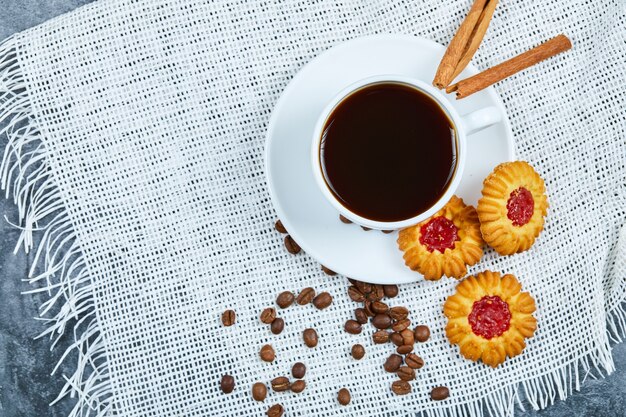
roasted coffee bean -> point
(396, 339)
(376, 294)
(322, 300)
(406, 373)
(228, 318)
(298, 370)
(400, 325)
(392, 363)
(276, 410)
(398, 313)
(277, 325)
(367, 306)
(381, 336)
(259, 391)
(364, 287)
(267, 353)
(358, 351)
(291, 245)
(343, 396)
(355, 294)
(285, 299)
(328, 271)
(298, 386)
(400, 387)
(422, 333)
(227, 384)
(414, 361)
(379, 307)
(344, 219)
(352, 327)
(440, 393)
(306, 296)
(381, 321)
(310, 337)
(360, 315)
(404, 349)
(279, 226)
(367, 229)
(407, 337)
(387, 231)
(268, 315)
(280, 384)
(391, 291)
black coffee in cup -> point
(388, 152)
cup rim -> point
(460, 142)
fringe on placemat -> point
(25, 176)
(616, 317)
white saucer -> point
(345, 248)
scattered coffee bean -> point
(352, 327)
(355, 294)
(406, 373)
(387, 231)
(298, 370)
(440, 393)
(322, 300)
(367, 306)
(392, 363)
(279, 226)
(228, 318)
(276, 410)
(381, 321)
(310, 337)
(305, 296)
(404, 349)
(358, 351)
(259, 391)
(367, 229)
(400, 387)
(277, 325)
(414, 361)
(343, 396)
(379, 307)
(267, 353)
(376, 294)
(407, 337)
(360, 315)
(268, 315)
(401, 325)
(398, 313)
(380, 336)
(291, 245)
(227, 384)
(285, 299)
(298, 386)
(364, 287)
(396, 339)
(280, 384)
(328, 271)
(344, 219)
(422, 333)
(391, 291)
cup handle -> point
(480, 119)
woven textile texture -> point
(137, 136)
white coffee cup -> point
(464, 125)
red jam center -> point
(520, 206)
(439, 233)
(490, 317)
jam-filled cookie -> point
(512, 208)
(490, 318)
(444, 244)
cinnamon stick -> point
(457, 46)
(476, 37)
(512, 66)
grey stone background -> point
(26, 386)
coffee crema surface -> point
(388, 152)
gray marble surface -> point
(26, 386)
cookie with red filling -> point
(489, 317)
(512, 208)
(444, 244)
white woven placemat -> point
(137, 133)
